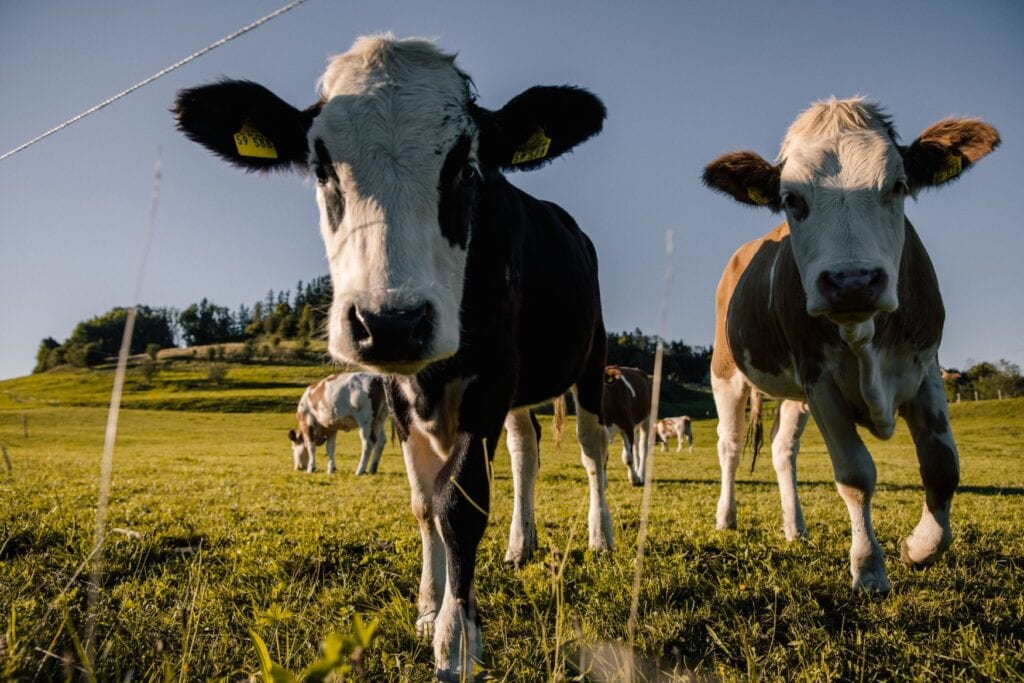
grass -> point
(213, 534)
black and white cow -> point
(476, 299)
(837, 311)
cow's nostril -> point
(360, 332)
(423, 331)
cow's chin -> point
(844, 318)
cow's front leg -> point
(422, 466)
(594, 447)
(792, 420)
(379, 439)
(332, 441)
(525, 455)
(855, 476)
(928, 418)
(311, 453)
(461, 507)
(731, 403)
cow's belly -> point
(782, 384)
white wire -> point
(158, 74)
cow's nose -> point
(852, 290)
(392, 334)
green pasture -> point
(211, 534)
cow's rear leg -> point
(523, 448)
(731, 402)
(855, 476)
(629, 456)
(639, 449)
(928, 418)
(422, 467)
(791, 421)
(594, 448)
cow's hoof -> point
(518, 560)
(331, 469)
(872, 583)
(425, 625)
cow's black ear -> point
(537, 126)
(746, 177)
(947, 149)
(292, 436)
(246, 124)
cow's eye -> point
(899, 190)
(467, 174)
(795, 205)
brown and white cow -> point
(475, 298)
(839, 307)
(678, 427)
(626, 406)
(340, 402)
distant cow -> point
(626, 406)
(340, 402)
(678, 427)
(475, 298)
(839, 307)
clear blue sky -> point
(683, 82)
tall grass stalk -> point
(107, 463)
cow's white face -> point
(394, 151)
(400, 152)
(842, 180)
(842, 186)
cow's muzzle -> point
(853, 293)
(394, 339)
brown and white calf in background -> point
(340, 402)
(626, 406)
(678, 427)
(839, 307)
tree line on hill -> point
(302, 316)
(278, 316)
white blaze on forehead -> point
(848, 144)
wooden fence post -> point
(7, 459)
(975, 394)
(958, 397)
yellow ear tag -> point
(951, 169)
(535, 147)
(757, 196)
(252, 143)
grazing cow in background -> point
(678, 427)
(626, 406)
(476, 299)
(340, 402)
(839, 307)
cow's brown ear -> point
(746, 177)
(947, 149)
